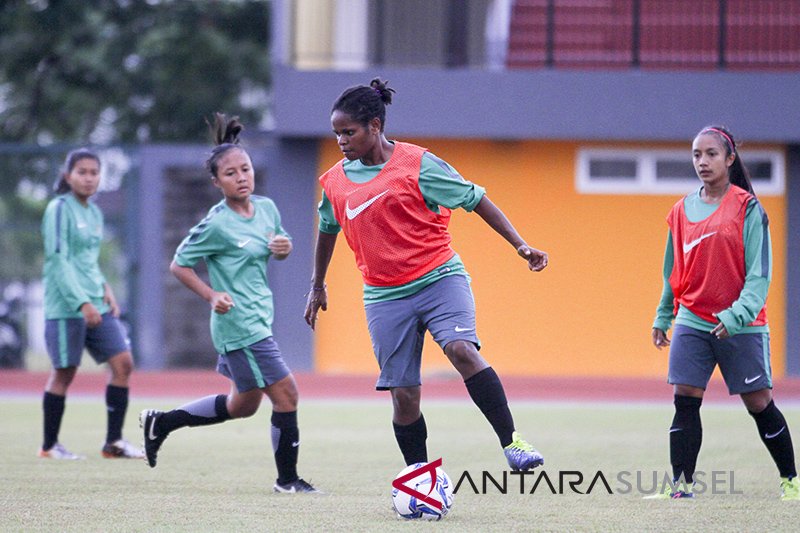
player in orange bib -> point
(717, 270)
(392, 200)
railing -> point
(694, 34)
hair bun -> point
(382, 89)
(225, 131)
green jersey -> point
(72, 234)
(758, 274)
(440, 185)
(236, 254)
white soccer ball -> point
(413, 507)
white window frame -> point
(645, 181)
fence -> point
(693, 34)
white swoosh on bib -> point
(353, 213)
(687, 246)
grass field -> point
(219, 478)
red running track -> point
(189, 383)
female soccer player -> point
(393, 202)
(236, 239)
(80, 308)
(717, 270)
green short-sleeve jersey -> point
(72, 234)
(236, 254)
(440, 185)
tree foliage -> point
(110, 71)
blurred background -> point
(576, 115)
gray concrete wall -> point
(552, 104)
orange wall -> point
(588, 313)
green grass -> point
(219, 478)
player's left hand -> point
(280, 246)
(537, 259)
(111, 301)
(720, 331)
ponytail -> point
(225, 136)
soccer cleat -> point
(298, 485)
(121, 449)
(667, 493)
(790, 489)
(59, 452)
(521, 455)
(152, 442)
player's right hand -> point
(316, 299)
(221, 302)
(660, 339)
(91, 315)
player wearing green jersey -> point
(717, 271)
(236, 239)
(80, 308)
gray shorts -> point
(254, 367)
(67, 337)
(446, 308)
(743, 360)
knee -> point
(286, 402)
(460, 352)
(405, 403)
(284, 395)
(243, 409)
(122, 367)
(246, 412)
(756, 402)
(60, 380)
(465, 358)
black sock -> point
(53, 407)
(411, 439)
(285, 445)
(774, 433)
(117, 406)
(202, 412)
(685, 437)
(487, 392)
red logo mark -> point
(430, 468)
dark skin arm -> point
(318, 295)
(497, 220)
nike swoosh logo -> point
(460, 329)
(673, 430)
(773, 435)
(353, 213)
(295, 444)
(241, 244)
(150, 434)
(687, 246)
(748, 381)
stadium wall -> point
(589, 313)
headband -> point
(730, 142)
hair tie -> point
(380, 94)
(730, 142)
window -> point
(634, 171)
